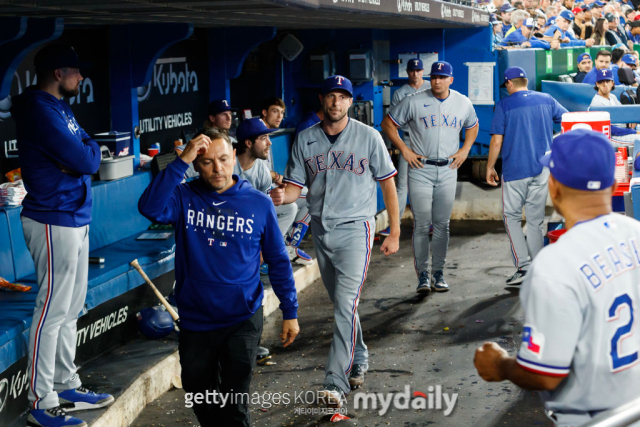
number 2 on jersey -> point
(620, 362)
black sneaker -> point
(330, 396)
(439, 285)
(517, 278)
(356, 376)
(424, 287)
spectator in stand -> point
(542, 6)
(551, 12)
(518, 5)
(497, 4)
(505, 14)
(523, 38)
(497, 31)
(585, 64)
(596, 9)
(599, 31)
(581, 27)
(541, 21)
(634, 28)
(568, 4)
(610, 35)
(603, 61)
(559, 32)
(517, 18)
(588, 15)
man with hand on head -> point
(222, 225)
(580, 296)
(341, 161)
(522, 130)
(57, 158)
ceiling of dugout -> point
(284, 14)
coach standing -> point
(435, 118)
(522, 128)
(57, 158)
(222, 224)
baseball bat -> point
(164, 302)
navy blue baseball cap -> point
(604, 74)
(441, 68)
(337, 83)
(513, 73)
(506, 8)
(567, 15)
(582, 56)
(56, 55)
(252, 127)
(550, 22)
(598, 4)
(414, 64)
(219, 106)
(582, 159)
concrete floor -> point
(408, 341)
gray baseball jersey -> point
(340, 176)
(405, 90)
(434, 125)
(579, 299)
(258, 175)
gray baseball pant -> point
(401, 184)
(61, 257)
(530, 193)
(286, 216)
(343, 257)
(432, 190)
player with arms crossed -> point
(435, 118)
(340, 160)
(587, 282)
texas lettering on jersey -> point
(445, 120)
(334, 160)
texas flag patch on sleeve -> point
(532, 342)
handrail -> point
(618, 417)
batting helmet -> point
(154, 322)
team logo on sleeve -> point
(532, 341)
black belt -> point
(436, 162)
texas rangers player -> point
(340, 160)
(415, 71)
(587, 282)
(435, 118)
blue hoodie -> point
(50, 140)
(219, 238)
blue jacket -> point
(219, 238)
(518, 37)
(50, 141)
(564, 34)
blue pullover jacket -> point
(57, 158)
(219, 238)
